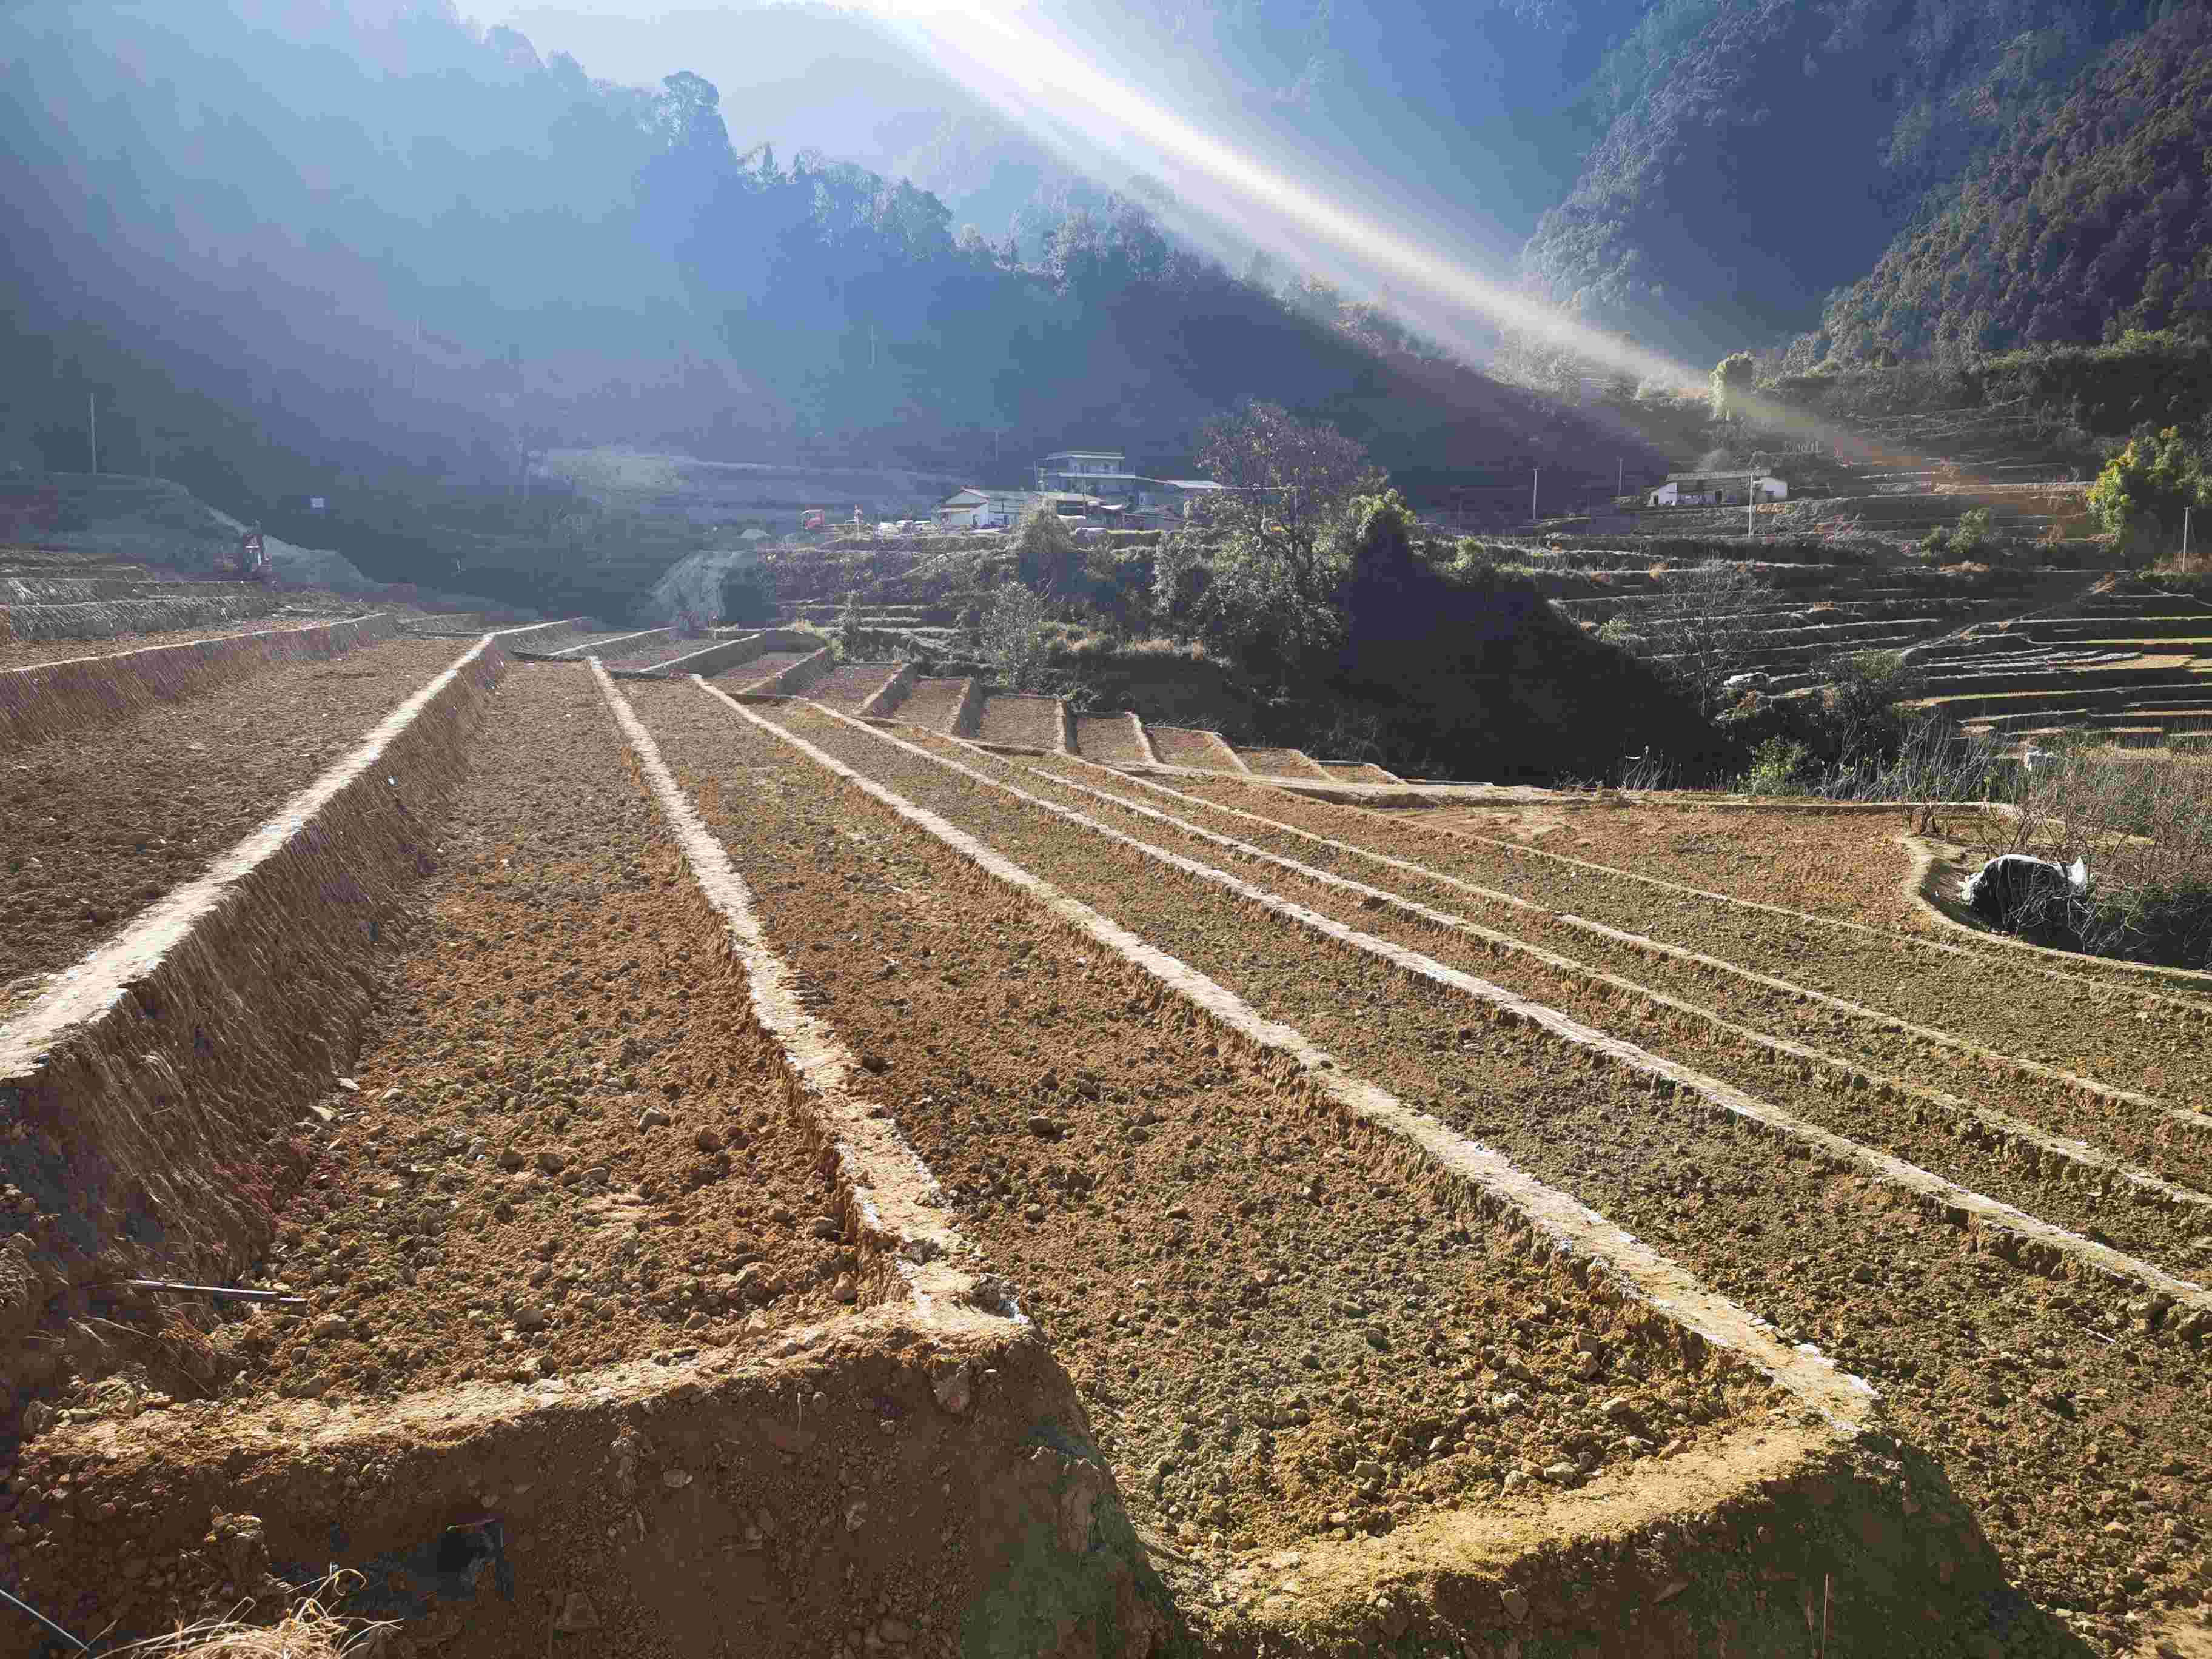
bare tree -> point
(1701, 623)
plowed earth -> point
(96, 826)
(851, 683)
(1920, 1131)
(766, 665)
(649, 653)
(495, 1201)
(28, 653)
(2074, 1428)
(1178, 747)
(931, 704)
(2110, 1033)
(1275, 1328)
(548, 640)
(1032, 722)
(1109, 740)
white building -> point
(1718, 489)
(976, 509)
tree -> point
(1860, 699)
(1012, 633)
(1699, 625)
(1731, 384)
(2143, 489)
(1283, 480)
(1045, 554)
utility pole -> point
(1535, 473)
(91, 415)
(2185, 512)
(1619, 473)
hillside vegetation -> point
(1744, 169)
(2086, 222)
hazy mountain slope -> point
(2086, 221)
(1762, 152)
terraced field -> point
(923, 1199)
(97, 825)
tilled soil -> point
(565, 1148)
(1109, 740)
(766, 665)
(851, 683)
(1029, 722)
(2072, 1426)
(931, 703)
(546, 642)
(1279, 762)
(1993, 996)
(97, 825)
(1277, 1330)
(651, 654)
(1919, 1131)
(1179, 747)
(1843, 864)
(28, 653)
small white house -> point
(975, 508)
(1718, 489)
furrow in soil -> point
(565, 1148)
(2055, 1402)
(1279, 1331)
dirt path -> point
(1279, 1333)
(96, 827)
(2074, 1428)
(28, 653)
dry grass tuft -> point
(310, 1631)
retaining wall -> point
(46, 699)
(144, 1097)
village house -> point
(1093, 485)
(1718, 489)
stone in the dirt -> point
(848, 1288)
(510, 1159)
(676, 1480)
(550, 1161)
(331, 1326)
(653, 1118)
(825, 1226)
(1043, 1126)
(530, 1317)
(578, 1614)
(708, 1141)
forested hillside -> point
(365, 252)
(1761, 153)
(2085, 223)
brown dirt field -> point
(1109, 740)
(651, 654)
(1276, 1333)
(1179, 747)
(850, 684)
(2073, 1429)
(768, 665)
(1929, 1139)
(1991, 995)
(1279, 762)
(2143, 1134)
(1846, 864)
(28, 653)
(931, 703)
(1028, 722)
(549, 641)
(549, 995)
(96, 826)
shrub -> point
(1777, 768)
(2142, 491)
(1046, 556)
(1971, 532)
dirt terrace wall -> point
(789, 1496)
(47, 699)
(104, 619)
(144, 1099)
